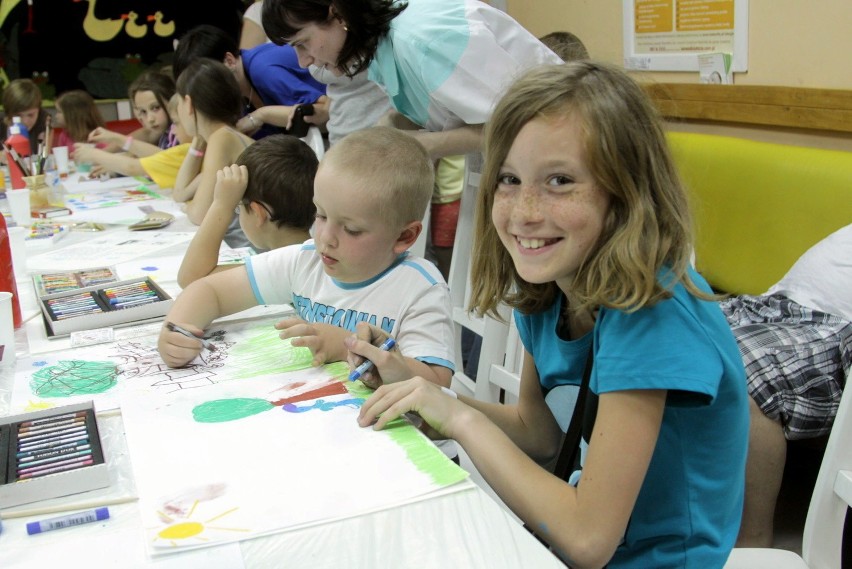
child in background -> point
(22, 98)
(272, 188)
(209, 106)
(566, 45)
(77, 115)
(357, 267)
(149, 94)
(162, 166)
(583, 228)
(270, 79)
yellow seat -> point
(758, 206)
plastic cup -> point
(18, 244)
(84, 167)
(7, 329)
(19, 205)
(60, 154)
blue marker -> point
(367, 365)
(60, 522)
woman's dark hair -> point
(281, 175)
(367, 22)
(213, 88)
(202, 41)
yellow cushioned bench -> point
(758, 206)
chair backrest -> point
(494, 332)
(823, 537)
(315, 141)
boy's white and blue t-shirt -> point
(409, 300)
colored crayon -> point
(53, 418)
(38, 455)
(53, 470)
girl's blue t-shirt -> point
(689, 507)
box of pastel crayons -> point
(50, 453)
(103, 305)
(62, 281)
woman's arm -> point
(279, 115)
(251, 35)
(463, 140)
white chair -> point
(315, 141)
(419, 247)
(493, 332)
(822, 541)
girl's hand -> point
(231, 183)
(388, 366)
(83, 152)
(436, 406)
(101, 134)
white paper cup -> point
(7, 329)
(18, 243)
(60, 153)
(19, 205)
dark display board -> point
(99, 45)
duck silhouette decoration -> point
(133, 29)
(101, 29)
(162, 29)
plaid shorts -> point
(796, 360)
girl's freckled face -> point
(548, 210)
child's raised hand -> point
(176, 349)
(436, 405)
(231, 183)
(389, 366)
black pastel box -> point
(50, 453)
(104, 305)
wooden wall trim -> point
(790, 107)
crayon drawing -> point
(312, 460)
(73, 377)
(102, 372)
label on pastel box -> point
(90, 337)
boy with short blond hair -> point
(371, 192)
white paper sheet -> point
(103, 372)
(242, 459)
(109, 248)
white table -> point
(465, 528)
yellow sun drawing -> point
(191, 529)
(38, 405)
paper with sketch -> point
(109, 248)
(125, 213)
(103, 372)
(247, 458)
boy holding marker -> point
(356, 269)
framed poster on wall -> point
(668, 35)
